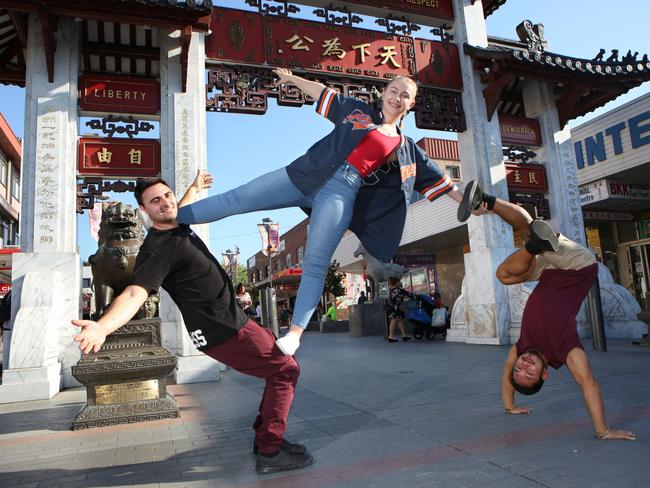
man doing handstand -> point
(565, 271)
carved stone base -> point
(126, 413)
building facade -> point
(10, 161)
(613, 160)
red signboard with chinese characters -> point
(119, 94)
(119, 157)
(250, 38)
(441, 9)
(526, 177)
(519, 130)
(336, 49)
(438, 64)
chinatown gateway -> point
(468, 84)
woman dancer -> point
(327, 179)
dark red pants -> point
(253, 351)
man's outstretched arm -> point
(122, 309)
(507, 391)
(580, 369)
(203, 181)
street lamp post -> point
(230, 262)
(270, 236)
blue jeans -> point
(331, 206)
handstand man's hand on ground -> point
(519, 410)
(615, 434)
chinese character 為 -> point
(333, 48)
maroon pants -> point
(253, 351)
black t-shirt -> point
(178, 260)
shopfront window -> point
(4, 168)
(15, 187)
(626, 231)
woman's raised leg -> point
(267, 192)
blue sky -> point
(241, 147)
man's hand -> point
(91, 337)
(519, 410)
(203, 180)
(615, 434)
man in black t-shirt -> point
(174, 257)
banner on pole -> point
(270, 234)
(95, 218)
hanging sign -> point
(270, 234)
(118, 157)
(119, 94)
(249, 38)
(521, 131)
(526, 177)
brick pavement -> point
(417, 414)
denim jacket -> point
(380, 208)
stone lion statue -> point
(120, 237)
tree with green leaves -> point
(334, 281)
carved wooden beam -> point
(121, 51)
(20, 25)
(497, 80)
(48, 23)
(186, 39)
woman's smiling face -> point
(398, 97)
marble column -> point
(184, 151)
(482, 314)
(46, 274)
(558, 157)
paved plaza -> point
(373, 414)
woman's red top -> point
(372, 151)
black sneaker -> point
(290, 447)
(472, 200)
(282, 461)
(543, 236)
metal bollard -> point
(595, 310)
(269, 310)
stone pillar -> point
(47, 273)
(184, 151)
(483, 315)
(558, 157)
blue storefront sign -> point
(593, 149)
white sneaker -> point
(288, 344)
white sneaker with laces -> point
(289, 343)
